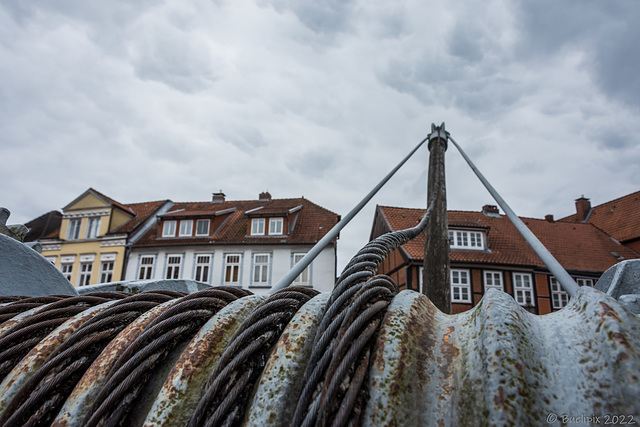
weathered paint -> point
(37, 356)
(181, 390)
(501, 365)
(496, 364)
(275, 398)
(24, 271)
(81, 398)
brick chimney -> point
(264, 196)
(549, 218)
(218, 197)
(490, 209)
(583, 209)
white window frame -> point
(93, 227)
(169, 228)
(173, 266)
(490, 277)
(202, 267)
(73, 229)
(186, 228)
(232, 269)
(520, 291)
(67, 269)
(460, 285)
(559, 298)
(257, 226)
(304, 278)
(261, 269)
(205, 232)
(466, 239)
(106, 271)
(276, 226)
(146, 269)
(84, 275)
(585, 281)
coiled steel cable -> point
(40, 398)
(228, 389)
(22, 304)
(18, 341)
(168, 331)
(355, 281)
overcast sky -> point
(151, 100)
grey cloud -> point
(313, 163)
(464, 42)
(170, 58)
(325, 17)
(243, 137)
(614, 139)
(601, 30)
(617, 64)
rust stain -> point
(448, 351)
(499, 399)
(621, 339)
(607, 311)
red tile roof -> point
(142, 211)
(113, 202)
(578, 247)
(312, 222)
(620, 218)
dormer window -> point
(186, 227)
(202, 227)
(257, 227)
(462, 239)
(169, 229)
(275, 226)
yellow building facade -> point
(90, 247)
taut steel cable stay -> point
(297, 269)
(561, 275)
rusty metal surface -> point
(182, 389)
(231, 384)
(77, 405)
(498, 364)
(281, 383)
(27, 367)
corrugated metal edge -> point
(498, 364)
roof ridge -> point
(617, 199)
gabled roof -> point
(620, 218)
(311, 222)
(576, 246)
(43, 226)
(142, 211)
(107, 200)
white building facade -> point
(248, 244)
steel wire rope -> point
(225, 395)
(42, 395)
(17, 342)
(357, 275)
(131, 370)
(12, 309)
